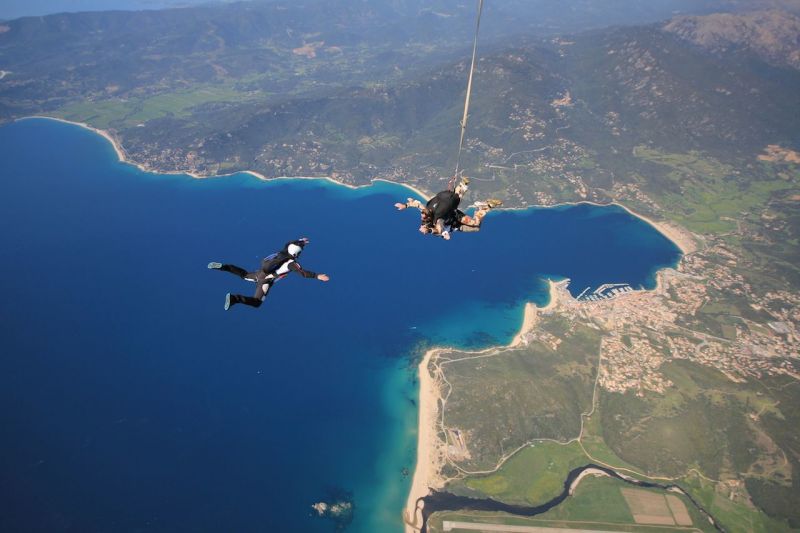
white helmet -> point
(294, 250)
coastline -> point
(529, 316)
(430, 456)
(123, 158)
(415, 190)
(685, 240)
(532, 312)
(682, 238)
(103, 133)
(428, 460)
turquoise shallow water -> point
(131, 401)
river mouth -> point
(439, 501)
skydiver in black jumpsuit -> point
(273, 268)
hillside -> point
(771, 35)
(237, 97)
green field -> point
(598, 499)
(130, 112)
(533, 476)
(521, 395)
(658, 435)
(596, 504)
(710, 196)
(599, 504)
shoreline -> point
(532, 312)
(123, 158)
(428, 461)
(685, 240)
(682, 238)
(429, 456)
(415, 190)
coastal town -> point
(643, 329)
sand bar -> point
(596, 472)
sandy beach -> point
(430, 450)
(106, 135)
(123, 157)
(528, 321)
(683, 238)
(431, 454)
(532, 312)
(429, 457)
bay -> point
(131, 401)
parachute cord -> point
(466, 100)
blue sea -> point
(131, 401)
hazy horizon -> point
(587, 13)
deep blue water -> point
(130, 401)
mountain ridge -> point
(772, 35)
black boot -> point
(232, 299)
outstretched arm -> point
(411, 202)
(294, 266)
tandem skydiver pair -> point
(441, 215)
